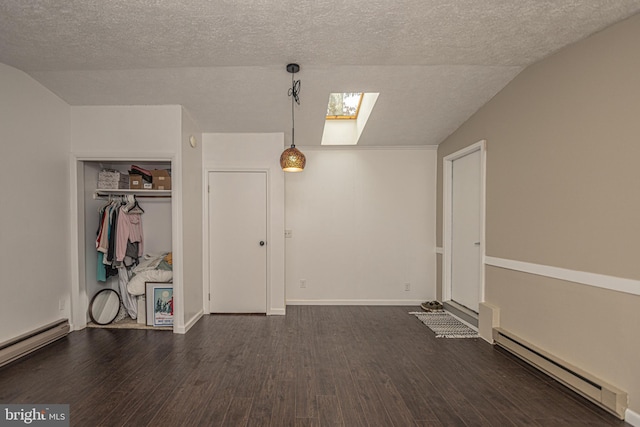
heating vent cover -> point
(598, 391)
(26, 343)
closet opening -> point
(125, 243)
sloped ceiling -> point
(434, 63)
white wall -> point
(255, 151)
(340, 132)
(191, 221)
(34, 230)
(363, 224)
(139, 130)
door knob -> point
(477, 243)
(261, 242)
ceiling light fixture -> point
(291, 159)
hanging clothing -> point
(101, 273)
(109, 234)
(119, 238)
(129, 228)
(119, 242)
(102, 241)
(129, 301)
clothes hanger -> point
(106, 205)
(128, 202)
(136, 207)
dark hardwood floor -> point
(316, 366)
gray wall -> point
(563, 187)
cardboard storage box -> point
(161, 179)
(135, 182)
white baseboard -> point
(354, 302)
(277, 312)
(632, 418)
(184, 329)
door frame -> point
(447, 204)
(206, 240)
(78, 191)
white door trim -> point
(206, 276)
(447, 168)
(602, 281)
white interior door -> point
(466, 230)
(237, 242)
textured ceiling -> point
(433, 62)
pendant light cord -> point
(294, 93)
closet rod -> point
(99, 195)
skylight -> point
(343, 106)
(346, 128)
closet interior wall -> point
(156, 221)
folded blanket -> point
(149, 262)
(136, 285)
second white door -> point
(465, 230)
(237, 242)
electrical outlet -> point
(288, 234)
(407, 286)
(61, 304)
(303, 283)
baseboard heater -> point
(604, 395)
(31, 341)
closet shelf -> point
(139, 193)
